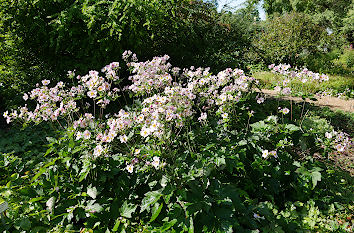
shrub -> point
(88, 34)
(19, 70)
(84, 35)
(332, 14)
(292, 39)
(347, 59)
(298, 82)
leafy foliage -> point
(347, 59)
(44, 39)
(292, 39)
(241, 167)
(328, 13)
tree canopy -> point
(333, 14)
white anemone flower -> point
(123, 138)
(130, 168)
(265, 154)
(145, 132)
(156, 162)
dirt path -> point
(327, 101)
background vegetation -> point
(214, 169)
(41, 39)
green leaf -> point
(95, 207)
(164, 181)
(226, 227)
(3, 206)
(156, 211)
(297, 163)
(127, 209)
(149, 199)
(211, 145)
(292, 128)
(191, 225)
(77, 150)
(43, 169)
(152, 184)
(50, 203)
(51, 140)
(83, 175)
(116, 225)
(242, 143)
(85, 171)
(25, 224)
(220, 161)
(316, 176)
(259, 126)
(97, 224)
(168, 225)
(50, 150)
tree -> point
(327, 13)
(213, 2)
(291, 38)
(348, 22)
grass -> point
(269, 80)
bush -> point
(88, 34)
(19, 70)
(70, 33)
(347, 59)
(292, 39)
(84, 35)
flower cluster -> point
(339, 140)
(222, 90)
(345, 94)
(98, 87)
(266, 154)
(290, 75)
(150, 76)
(167, 106)
(135, 163)
(304, 75)
(51, 103)
(162, 109)
(61, 101)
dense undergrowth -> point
(188, 151)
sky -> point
(238, 4)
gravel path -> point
(331, 102)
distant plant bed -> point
(173, 151)
(305, 83)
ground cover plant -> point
(171, 150)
